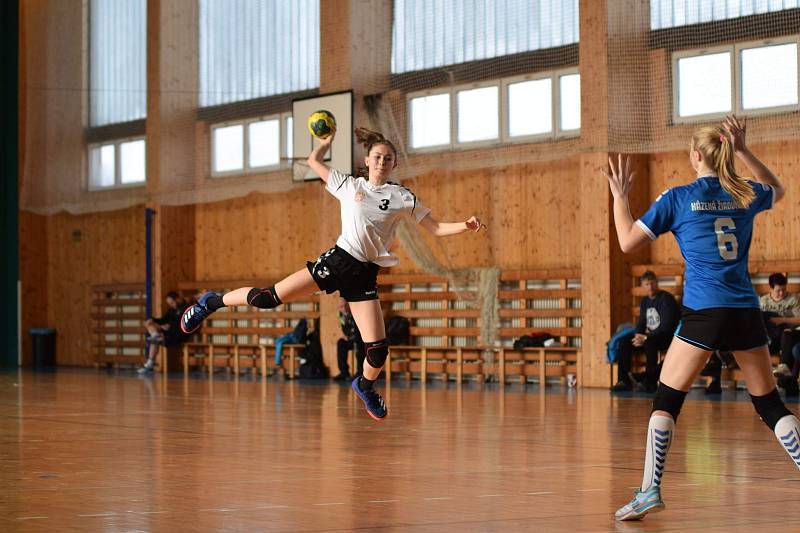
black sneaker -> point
(715, 387)
(789, 385)
(376, 407)
(622, 385)
(645, 387)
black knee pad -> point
(669, 400)
(377, 352)
(264, 298)
(770, 408)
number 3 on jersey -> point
(384, 205)
(726, 242)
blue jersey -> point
(714, 235)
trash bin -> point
(43, 341)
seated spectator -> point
(789, 382)
(312, 365)
(164, 331)
(297, 336)
(352, 340)
(658, 318)
(782, 316)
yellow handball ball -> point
(321, 124)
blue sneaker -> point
(642, 503)
(195, 314)
(376, 407)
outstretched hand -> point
(620, 179)
(736, 131)
(475, 224)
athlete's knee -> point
(669, 400)
(770, 408)
(377, 352)
(264, 298)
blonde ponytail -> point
(717, 151)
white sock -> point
(659, 437)
(788, 432)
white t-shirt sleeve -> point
(414, 207)
(338, 183)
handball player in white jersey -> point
(371, 209)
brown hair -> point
(369, 139)
(648, 276)
(717, 151)
(777, 279)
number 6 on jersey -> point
(726, 242)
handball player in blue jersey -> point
(712, 220)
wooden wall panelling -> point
(33, 276)
(84, 250)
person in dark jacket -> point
(659, 315)
(351, 341)
(165, 330)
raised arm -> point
(620, 179)
(442, 229)
(761, 173)
(316, 157)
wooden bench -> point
(444, 328)
(539, 301)
(118, 332)
(243, 337)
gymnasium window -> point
(569, 90)
(536, 112)
(117, 61)
(258, 49)
(530, 107)
(250, 146)
(768, 76)
(676, 13)
(117, 164)
(429, 117)
(516, 109)
(428, 34)
(478, 116)
(745, 78)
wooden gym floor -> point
(82, 450)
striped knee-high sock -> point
(788, 432)
(659, 437)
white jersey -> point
(370, 215)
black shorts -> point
(336, 270)
(728, 329)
